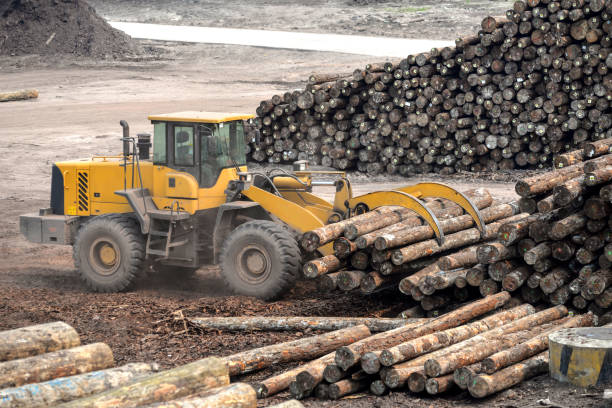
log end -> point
(480, 386)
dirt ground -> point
(81, 102)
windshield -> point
(226, 150)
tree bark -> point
(237, 395)
(483, 385)
(321, 266)
(70, 388)
(55, 364)
(168, 385)
(297, 350)
(348, 356)
(38, 339)
(19, 95)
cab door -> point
(184, 146)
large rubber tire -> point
(109, 252)
(261, 259)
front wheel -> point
(261, 259)
(108, 252)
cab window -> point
(183, 146)
(159, 143)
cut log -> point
(490, 342)
(435, 341)
(346, 387)
(280, 382)
(350, 355)
(465, 258)
(543, 183)
(189, 379)
(349, 280)
(495, 252)
(456, 240)
(39, 339)
(18, 95)
(483, 385)
(56, 364)
(537, 253)
(321, 266)
(328, 282)
(516, 278)
(476, 275)
(464, 375)
(237, 395)
(70, 388)
(439, 385)
(532, 346)
(449, 226)
(312, 240)
(568, 225)
(297, 350)
(275, 323)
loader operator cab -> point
(199, 143)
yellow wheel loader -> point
(194, 203)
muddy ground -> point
(81, 102)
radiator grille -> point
(83, 191)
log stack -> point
(522, 91)
(484, 346)
(553, 246)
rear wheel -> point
(261, 259)
(109, 251)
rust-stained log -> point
(483, 385)
(488, 287)
(296, 323)
(311, 240)
(297, 350)
(543, 183)
(487, 343)
(237, 395)
(597, 148)
(599, 176)
(435, 341)
(553, 280)
(446, 279)
(439, 385)
(277, 383)
(18, 95)
(495, 252)
(516, 278)
(409, 282)
(532, 346)
(466, 257)
(343, 247)
(61, 363)
(450, 226)
(459, 239)
(38, 339)
(537, 253)
(189, 379)
(348, 386)
(321, 266)
(476, 275)
(66, 389)
(349, 280)
(368, 239)
(570, 190)
(350, 355)
(568, 225)
(378, 387)
(328, 282)
(463, 375)
(567, 159)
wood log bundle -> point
(558, 252)
(527, 91)
(484, 346)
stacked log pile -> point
(525, 89)
(552, 246)
(485, 346)
(46, 364)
